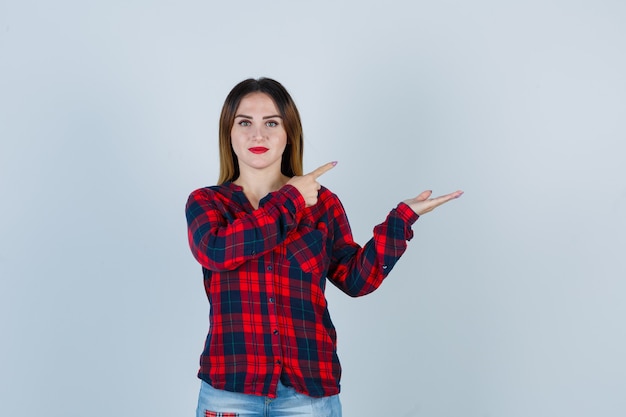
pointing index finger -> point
(323, 169)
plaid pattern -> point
(265, 274)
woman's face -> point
(258, 136)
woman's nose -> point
(258, 133)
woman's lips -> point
(258, 149)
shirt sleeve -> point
(360, 270)
(220, 242)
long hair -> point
(291, 163)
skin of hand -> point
(308, 185)
(423, 204)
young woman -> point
(268, 238)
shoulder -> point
(226, 189)
(325, 195)
(223, 192)
(329, 202)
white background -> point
(510, 301)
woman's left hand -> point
(422, 204)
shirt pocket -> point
(306, 247)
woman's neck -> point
(258, 184)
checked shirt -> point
(265, 273)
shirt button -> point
(272, 300)
(384, 266)
(275, 332)
(269, 268)
(278, 362)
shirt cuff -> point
(406, 213)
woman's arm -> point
(360, 270)
(221, 243)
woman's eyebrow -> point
(264, 117)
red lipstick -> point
(258, 149)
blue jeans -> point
(218, 403)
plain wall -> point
(509, 301)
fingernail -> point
(334, 163)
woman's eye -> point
(271, 123)
(244, 123)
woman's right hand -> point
(307, 184)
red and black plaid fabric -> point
(265, 274)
